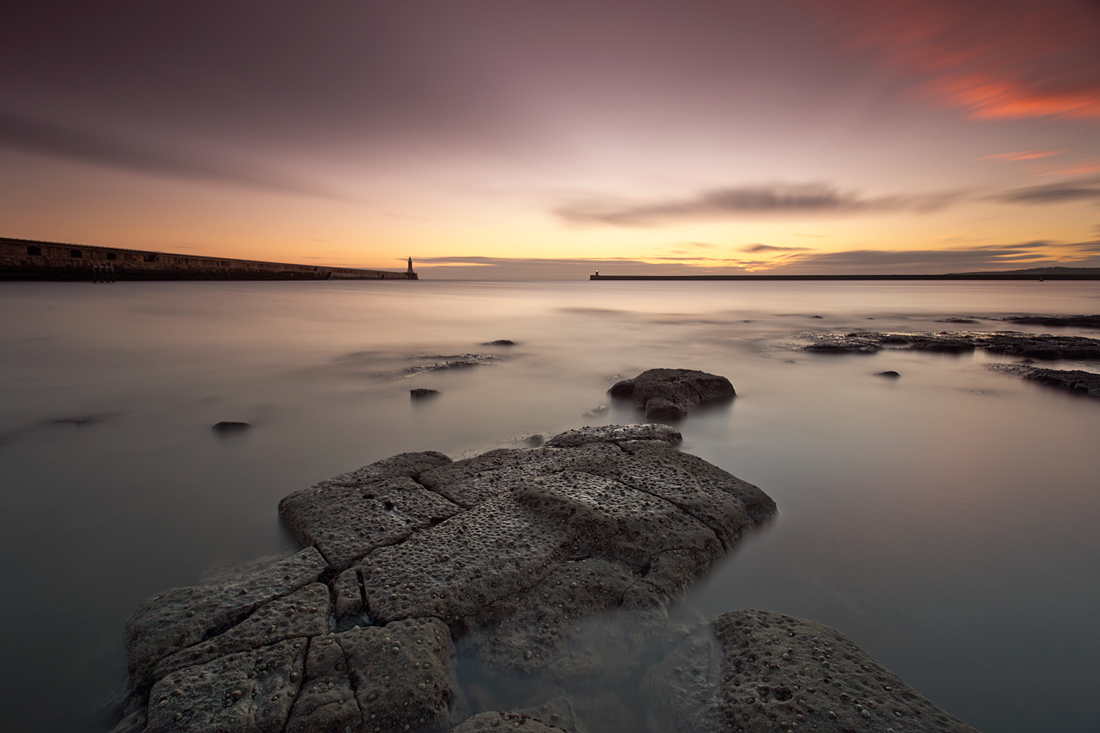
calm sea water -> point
(946, 520)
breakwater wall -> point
(949, 276)
(26, 259)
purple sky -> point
(515, 138)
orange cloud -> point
(1003, 59)
(1023, 155)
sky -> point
(531, 139)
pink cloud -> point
(1003, 59)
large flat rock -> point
(522, 550)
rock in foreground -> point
(759, 670)
(512, 547)
(669, 394)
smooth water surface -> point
(944, 520)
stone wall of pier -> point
(24, 259)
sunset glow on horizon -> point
(504, 139)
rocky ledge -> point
(1073, 380)
(1009, 343)
(520, 555)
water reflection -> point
(945, 520)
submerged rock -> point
(889, 374)
(669, 394)
(760, 670)
(420, 393)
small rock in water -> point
(891, 374)
(500, 342)
(225, 427)
(421, 393)
(668, 394)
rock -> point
(347, 594)
(350, 515)
(225, 427)
(388, 678)
(500, 342)
(957, 320)
(420, 393)
(617, 434)
(248, 692)
(301, 614)
(1073, 380)
(181, 617)
(765, 670)
(669, 394)
(891, 374)
(494, 722)
(1036, 346)
(1058, 321)
(524, 550)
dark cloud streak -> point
(738, 201)
(1079, 189)
(82, 145)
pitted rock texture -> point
(348, 516)
(494, 722)
(1008, 343)
(669, 394)
(182, 617)
(762, 670)
(515, 547)
(553, 534)
(392, 678)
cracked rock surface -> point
(669, 394)
(513, 547)
(759, 670)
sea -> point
(946, 520)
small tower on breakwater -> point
(410, 270)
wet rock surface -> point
(1073, 380)
(669, 394)
(760, 670)
(1057, 321)
(512, 547)
(1034, 346)
(555, 565)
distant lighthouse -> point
(410, 270)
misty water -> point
(945, 520)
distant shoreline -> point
(951, 276)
